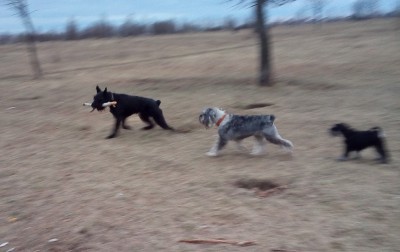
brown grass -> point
(146, 190)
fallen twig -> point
(217, 241)
(268, 192)
(282, 250)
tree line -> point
(361, 9)
(105, 29)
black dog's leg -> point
(380, 149)
(160, 120)
(124, 126)
(145, 118)
(116, 127)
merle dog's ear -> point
(98, 89)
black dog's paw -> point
(148, 127)
(111, 136)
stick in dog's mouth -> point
(106, 104)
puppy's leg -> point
(124, 126)
(259, 146)
(213, 152)
(145, 118)
(345, 155)
(116, 127)
(272, 135)
(381, 150)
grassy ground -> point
(146, 190)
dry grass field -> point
(63, 187)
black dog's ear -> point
(105, 91)
(98, 89)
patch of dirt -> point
(260, 184)
(256, 105)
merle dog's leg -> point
(213, 152)
(272, 135)
(116, 127)
(124, 126)
(259, 146)
(145, 118)
(381, 150)
(240, 146)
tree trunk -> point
(265, 78)
(31, 47)
(34, 60)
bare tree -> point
(261, 14)
(229, 23)
(365, 8)
(130, 28)
(71, 30)
(21, 8)
(317, 7)
(99, 29)
(164, 27)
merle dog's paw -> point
(212, 154)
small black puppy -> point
(128, 105)
(358, 140)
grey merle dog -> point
(127, 105)
(237, 127)
(357, 141)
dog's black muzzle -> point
(334, 132)
(98, 106)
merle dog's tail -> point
(160, 120)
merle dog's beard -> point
(206, 120)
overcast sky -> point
(52, 15)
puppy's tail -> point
(379, 131)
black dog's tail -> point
(379, 131)
(160, 120)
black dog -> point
(358, 140)
(128, 105)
